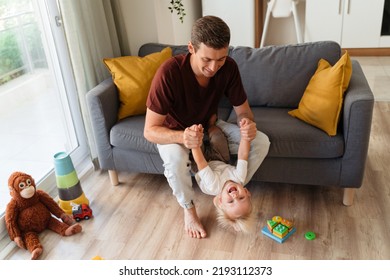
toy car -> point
(82, 211)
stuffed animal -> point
(31, 211)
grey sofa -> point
(274, 78)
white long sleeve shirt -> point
(212, 178)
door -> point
(324, 20)
(351, 23)
(362, 23)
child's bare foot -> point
(192, 224)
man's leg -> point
(177, 171)
(259, 150)
(259, 146)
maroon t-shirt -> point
(175, 92)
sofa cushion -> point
(289, 136)
(293, 138)
(133, 76)
(277, 76)
(323, 98)
(128, 134)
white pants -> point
(177, 164)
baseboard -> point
(368, 51)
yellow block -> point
(66, 205)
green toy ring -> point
(310, 235)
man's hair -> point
(245, 223)
(211, 31)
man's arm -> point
(155, 132)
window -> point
(39, 113)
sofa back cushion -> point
(273, 76)
(149, 48)
(276, 76)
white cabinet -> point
(352, 23)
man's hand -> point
(248, 129)
(193, 136)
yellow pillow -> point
(322, 100)
(133, 76)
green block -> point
(68, 180)
(271, 223)
(280, 229)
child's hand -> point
(196, 128)
(243, 122)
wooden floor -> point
(140, 219)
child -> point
(232, 200)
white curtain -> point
(91, 36)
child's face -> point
(235, 200)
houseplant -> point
(177, 5)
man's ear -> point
(217, 201)
(191, 48)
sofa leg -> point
(349, 194)
(113, 177)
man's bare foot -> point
(192, 224)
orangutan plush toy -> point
(31, 211)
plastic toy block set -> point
(278, 229)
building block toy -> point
(310, 235)
(278, 229)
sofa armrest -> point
(103, 104)
(357, 117)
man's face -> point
(206, 61)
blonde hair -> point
(244, 224)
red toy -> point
(82, 211)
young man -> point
(186, 90)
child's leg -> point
(259, 146)
(218, 147)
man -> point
(186, 90)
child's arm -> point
(245, 145)
(197, 152)
(199, 158)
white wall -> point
(239, 15)
(144, 21)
